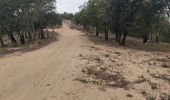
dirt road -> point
(50, 73)
(42, 74)
(45, 74)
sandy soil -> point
(74, 68)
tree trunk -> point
(145, 39)
(25, 35)
(22, 38)
(97, 32)
(53, 28)
(117, 37)
(85, 26)
(48, 34)
(151, 38)
(2, 42)
(123, 42)
(42, 34)
(157, 39)
(29, 37)
(13, 40)
(106, 34)
(35, 35)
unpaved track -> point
(48, 73)
(44, 74)
(52, 72)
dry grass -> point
(102, 76)
(9, 49)
(132, 68)
(132, 43)
(151, 97)
(129, 95)
(164, 97)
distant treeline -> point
(147, 19)
(67, 16)
(24, 21)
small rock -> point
(129, 95)
(47, 84)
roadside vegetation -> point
(25, 21)
(141, 25)
(143, 19)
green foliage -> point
(67, 16)
(26, 18)
(54, 19)
(137, 18)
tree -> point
(138, 18)
(54, 19)
(26, 19)
(67, 16)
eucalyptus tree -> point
(102, 13)
(84, 18)
(1, 38)
(54, 20)
(148, 17)
(139, 18)
(76, 19)
(127, 16)
(42, 8)
(92, 14)
(25, 18)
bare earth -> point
(74, 68)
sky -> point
(70, 6)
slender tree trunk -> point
(29, 37)
(22, 38)
(106, 34)
(39, 34)
(97, 32)
(117, 37)
(85, 26)
(145, 38)
(35, 35)
(123, 42)
(2, 42)
(157, 39)
(48, 34)
(13, 40)
(53, 28)
(151, 38)
(42, 34)
(25, 34)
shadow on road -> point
(38, 44)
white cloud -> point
(70, 6)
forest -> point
(24, 21)
(145, 19)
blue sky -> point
(70, 6)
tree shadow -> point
(131, 42)
(35, 45)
